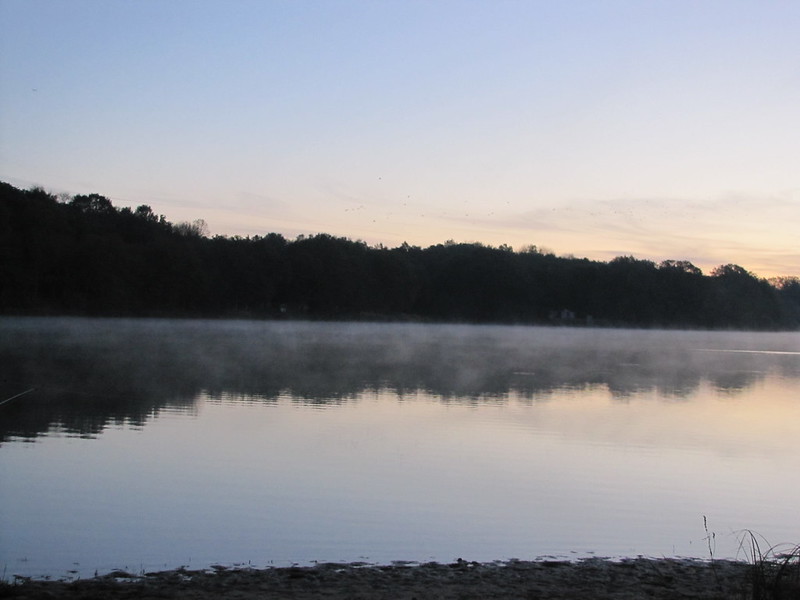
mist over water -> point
(158, 443)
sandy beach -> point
(596, 578)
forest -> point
(81, 255)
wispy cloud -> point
(757, 231)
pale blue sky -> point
(659, 129)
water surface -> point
(152, 444)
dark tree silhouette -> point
(84, 256)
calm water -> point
(153, 444)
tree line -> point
(81, 255)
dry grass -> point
(775, 570)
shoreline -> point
(597, 578)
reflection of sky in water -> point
(549, 441)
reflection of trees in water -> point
(91, 374)
(83, 414)
(735, 382)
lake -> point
(151, 444)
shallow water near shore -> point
(147, 444)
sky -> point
(658, 129)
